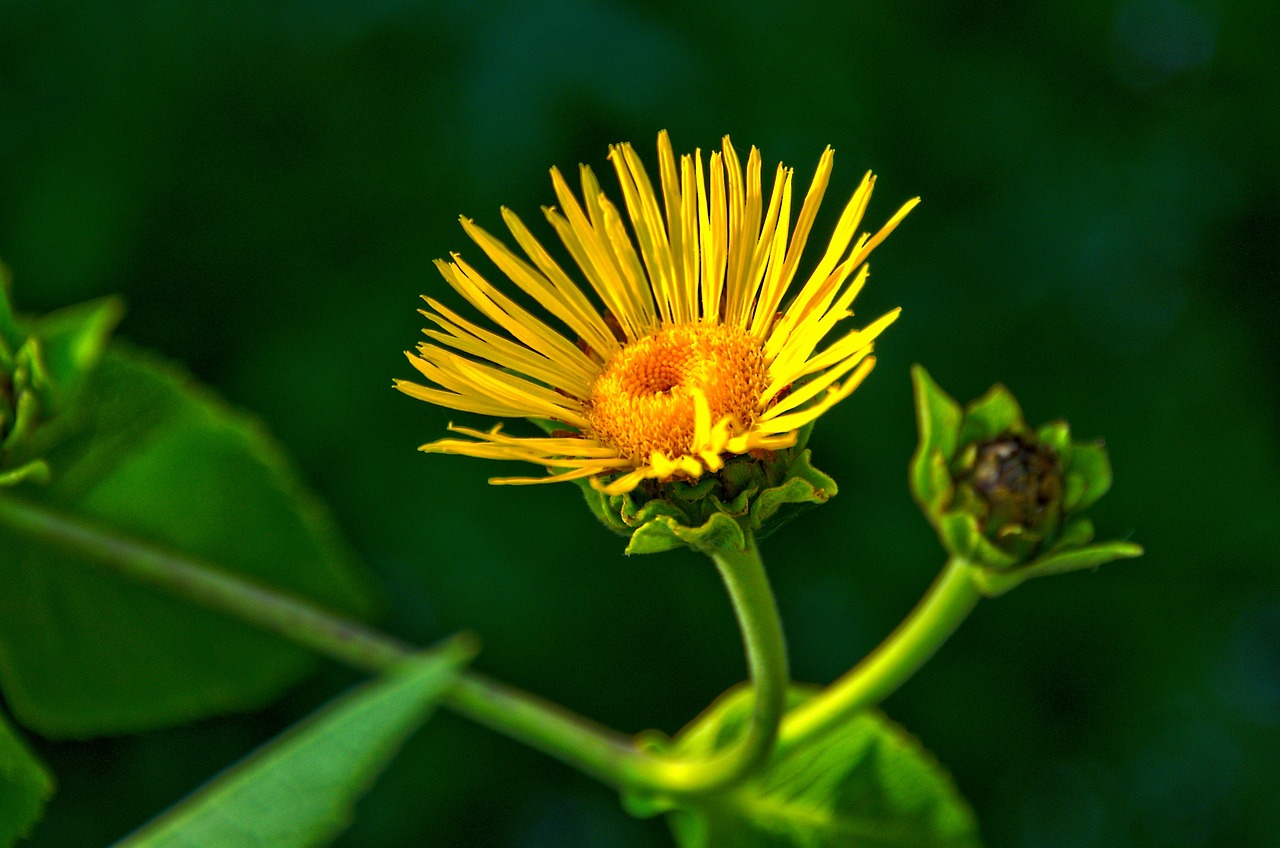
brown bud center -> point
(1020, 480)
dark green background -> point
(267, 183)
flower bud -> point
(42, 363)
(1004, 497)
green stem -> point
(948, 601)
(757, 612)
(605, 754)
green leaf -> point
(805, 488)
(1078, 559)
(155, 457)
(299, 790)
(1057, 435)
(1088, 476)
(720, 532)
(654, 537)
(9, 335)
(938, 419)
(995, 583)
(938, 415)
(72, 340)
(990, 416)
(865, 783)
(25, 786)
(37, 471)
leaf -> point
(37, 470)
(300, 790)
(1078, 559)
(1088, 476)
(804, 488)
(9, 335)
(155, 457)
(865, 783)
(1057, 435)
(938, 415)
(991, 416)
(938, 419)
(25, 786)
(720, 532)
(72, 340)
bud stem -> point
(948, 601)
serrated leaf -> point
(156, 458)
(300, 790)
(990, 416)
(865, 783)
(25, 786)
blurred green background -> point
(267, 183)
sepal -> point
(750, 495)
(44, 362)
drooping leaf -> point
(299, 791)
(864, 783)
(155, 457)
(25, 786)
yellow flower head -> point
(688, 356)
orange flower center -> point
(643, 400)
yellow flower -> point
(692, 357)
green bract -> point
(716, 511)
(1004, 497)
(43, 363)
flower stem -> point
(757, 612)
(948, 601)
(605, 754)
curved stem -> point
(605, 754)
(948, 601)
(757, 613)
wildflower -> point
(691, 357)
